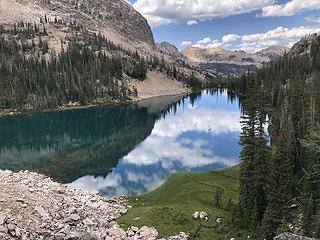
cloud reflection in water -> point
(197, 137)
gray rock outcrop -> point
(291, 236)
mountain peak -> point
(304, 45)
(273, 52)
(169, 49)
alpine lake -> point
(126, 149)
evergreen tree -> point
(254, 170)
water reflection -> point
(201, 134)
(71, 144)
(125, 149)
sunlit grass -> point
(170, 207)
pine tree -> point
(281, 182)
(254, 170)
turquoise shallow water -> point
(125, 149)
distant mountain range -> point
(221, 62)
(219, 55)
(224, 63)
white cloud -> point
(95, 184)
(198, 119)
(162, 12)
(208, 43)
(290, 8)
(167, 151)
(280, 36)
(230, 38)
(162, 145)
(313, 20)
(186, 43)
(205, 41)
(192, 22)
(279, 33)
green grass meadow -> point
(169, 208)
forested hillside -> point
(280, 170)
(85, 68)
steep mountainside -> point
(226, 63)
(273, 52)
(114, 18)
(57, 53)
(303, 46)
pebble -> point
(40, 210)
(74, 217)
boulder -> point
(146, 233)
(74, 217)
(204, 216)
(196, 215)
(219, 221)
(116, 233)
(134, 229)
(88, 222)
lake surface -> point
(125, 149)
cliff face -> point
(116, 19)
(303, 46)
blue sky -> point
(248, 25)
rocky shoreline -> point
(33, 207)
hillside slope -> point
(88, 52)
(116, 19)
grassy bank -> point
(170, 207)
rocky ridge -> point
(273, 52)
(220, 55)
(116, 19)
(171, 50)
(303, 46)
(170, 53)
(224, 63)
(34, 207)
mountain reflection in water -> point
(125, 149)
